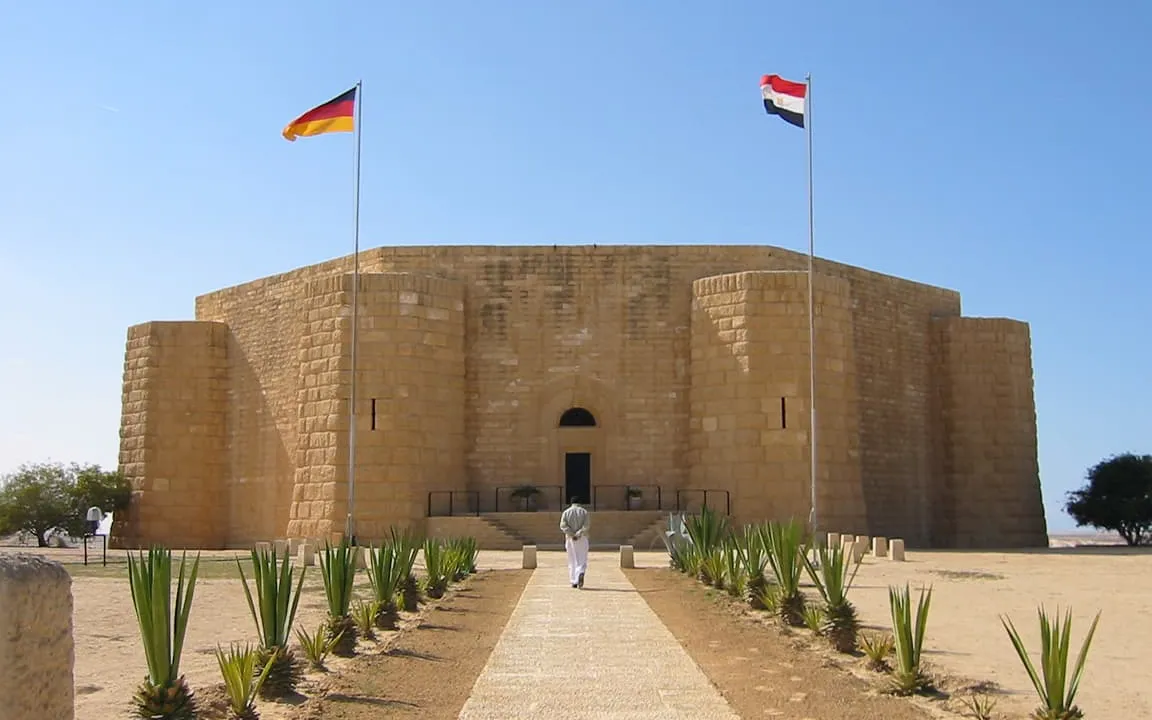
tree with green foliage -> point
(1118, 497)
(46, 498)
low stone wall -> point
(36, 650)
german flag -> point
(336, 115)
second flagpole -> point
(350, 526)
(811, 305)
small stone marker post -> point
(307, 554)
(897, 550)
(627, 557)
(529, 557)
(36, 651)
(833, 540)
(880, 547)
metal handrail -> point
(680, 506)
(628, 496)
(542, 488)
(475, 496)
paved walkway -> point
(597, 653)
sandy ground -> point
(966, 640)
(965, 637)
(109, 660)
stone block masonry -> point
(36, 649)
(174, 432)
(689, 362)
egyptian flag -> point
(336, 115)
(784, 98)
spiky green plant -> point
(1057, 692)
(463, 552)
(164, 694)
(385, 574)
(708, 531)
(815, 619)
(244, 675)
(754, 559)
(735, 578)
(338, 568)
(785, 546)
(833, 580)
(770, 599)
(978, 707)
(407, 546)
(364, 615)
(274, 617)
(908, 639)
(877, 647)
(436, 568)
(317, 647)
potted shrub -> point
(633, 493)
(527, 494)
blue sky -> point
(1000, 149)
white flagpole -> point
(350, 529)
(811, 304)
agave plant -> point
(832, 580)
(815, 619)
(164, 694)
(908, 639)
(338, 568)
(274, 617)
(385, 573)
(785, 547)
(316, 647)
(707, 531)
(1057, 701)
(436, 562)
(407, 545)
(364, 615)
(244, 675)
(735, 578)
(754, 560)
(465, 551)
(877, 647)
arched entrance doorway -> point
(576, 423)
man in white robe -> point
(574, 523)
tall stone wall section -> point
(548, 328)
(409, 403)
(989, 491)
(173, 434)
(750, 398)
(266, 319)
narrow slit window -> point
(783, 413)
(373, 413)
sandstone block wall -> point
(36, 648)
(173, 433)
(534, 331)
(409, 403)
(989, 491)
(751, 397)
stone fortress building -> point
(579, 369)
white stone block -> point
(263, 547)
(306, 555)
(36, 647)
(859, 549)
(281, 547)
(897, 550)
(833, 540)
(880, 547)
(627, 557)
(529, 557)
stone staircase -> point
(510, 531)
